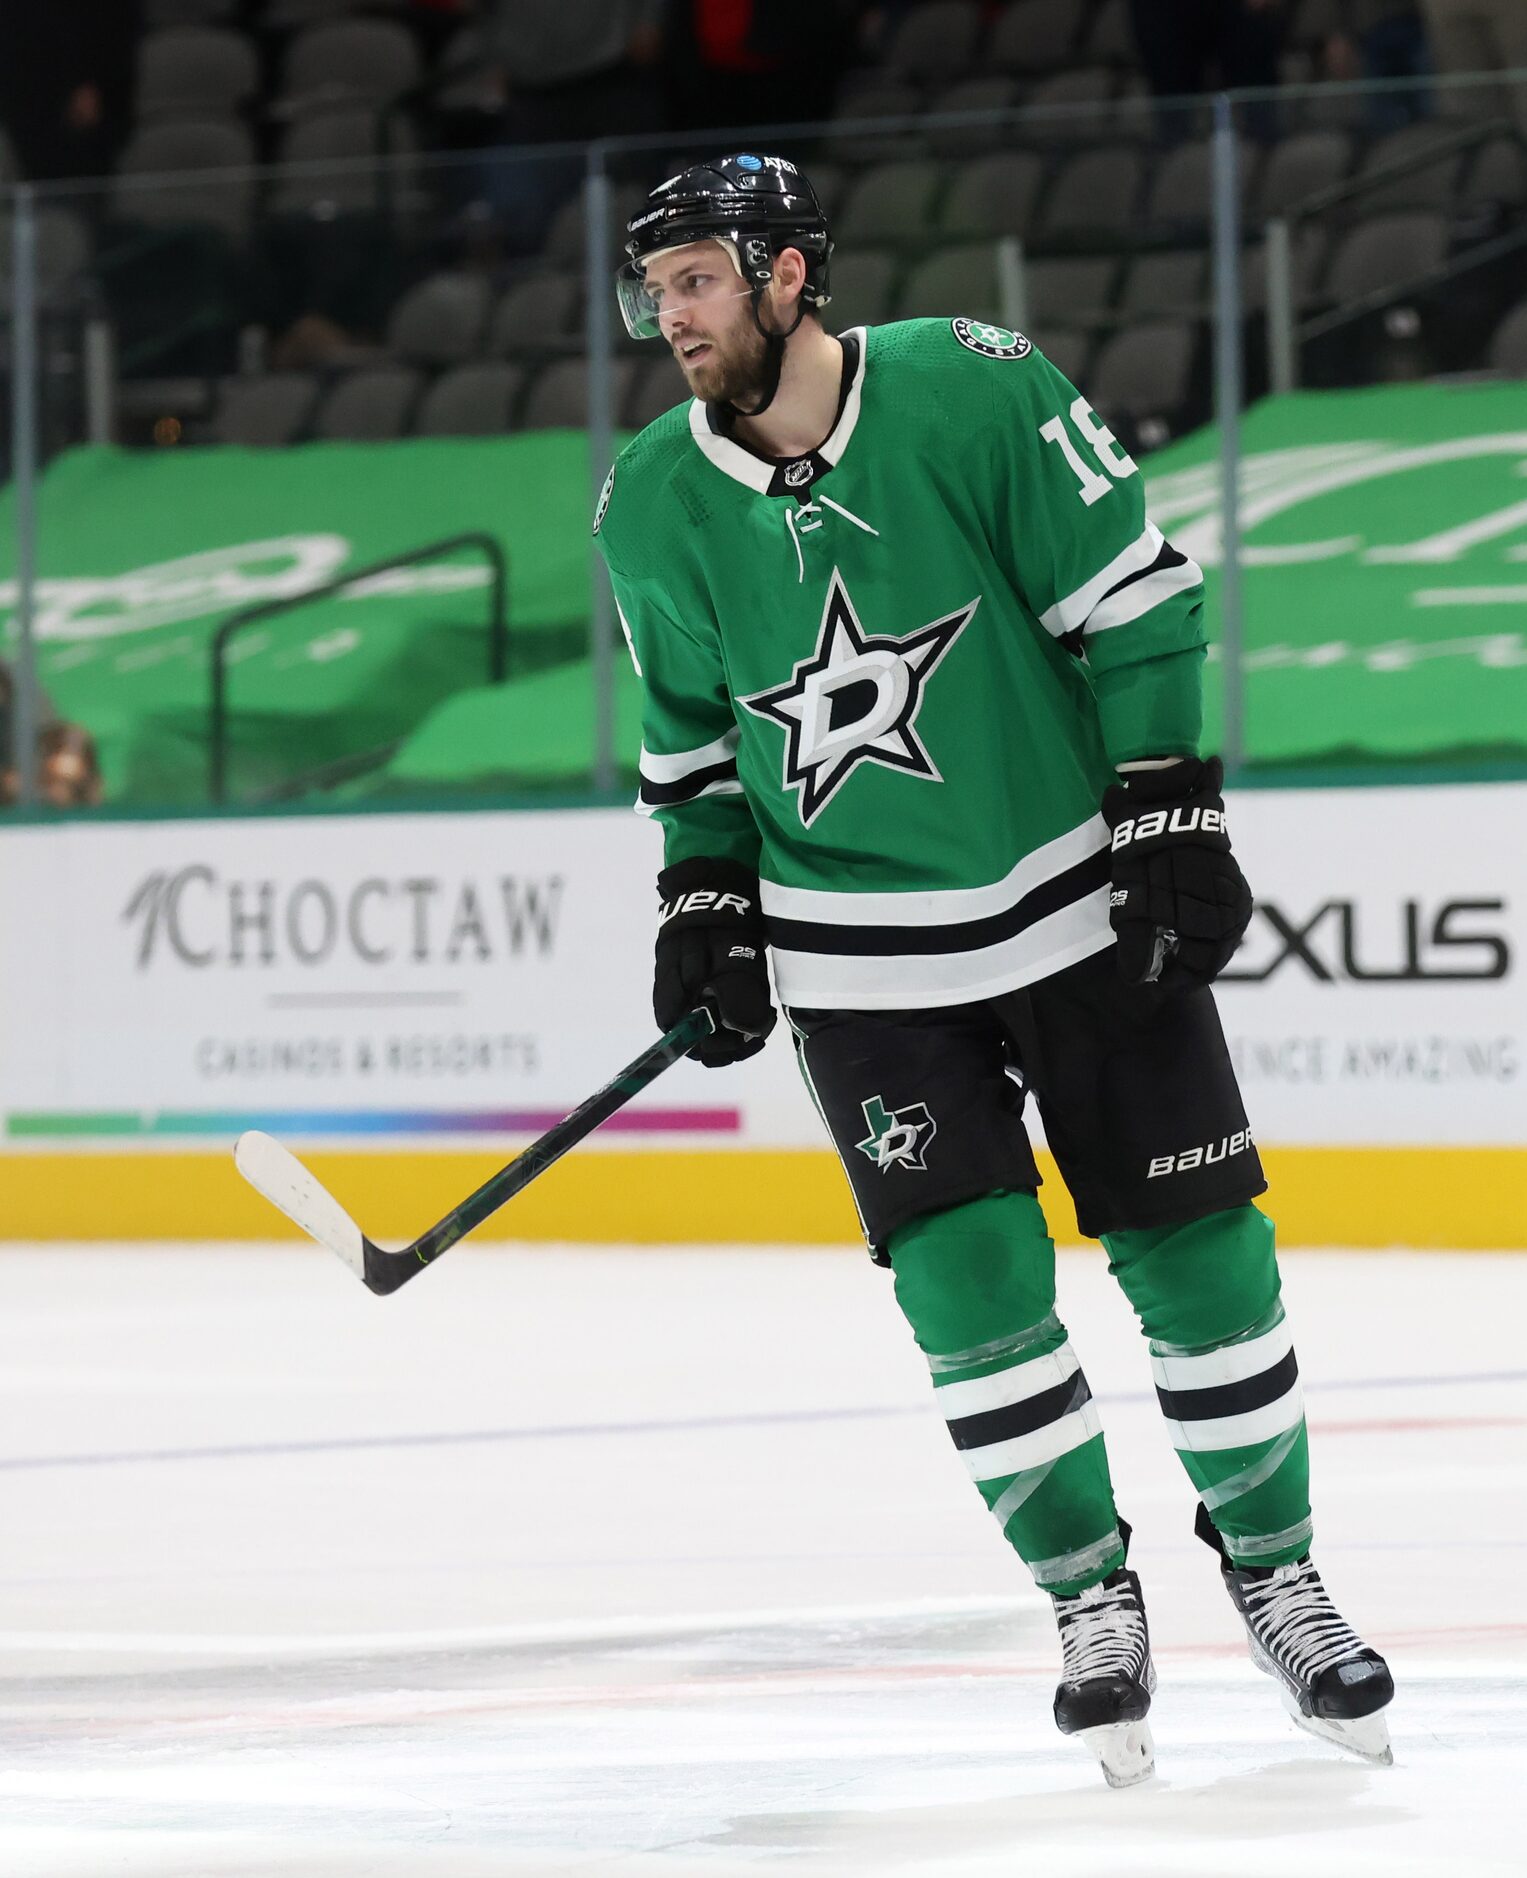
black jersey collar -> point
(770, 476)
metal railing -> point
(24, 483)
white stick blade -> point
(278, 1174)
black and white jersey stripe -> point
(1147, 572)
(869, 951)
(686, 775)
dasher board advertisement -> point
(361, 977)
(1378, 998)
(389, 977)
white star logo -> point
(855, 700)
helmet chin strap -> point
(774, 359)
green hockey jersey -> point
(895, 675)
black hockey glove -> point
(710, 951)
(1179, 903)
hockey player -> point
(921, 717)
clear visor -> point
(706, 280)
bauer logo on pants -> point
(1205, 1155)
(897, 1137)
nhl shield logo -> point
(992, 342)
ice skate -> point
(1107, 1677)
(1333, 1685)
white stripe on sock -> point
(1032, 1450)
(1236, 1362)
(1017, 1384)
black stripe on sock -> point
(1021, 1418)
(1230, 1398)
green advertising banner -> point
(142, 555)
(1384, 547)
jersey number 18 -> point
(1105, 448)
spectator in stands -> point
(1189, 46)
(66, 77)
(1479, 36)
(577, 69)
(877, 23)
(434, 21)
(68, 770)
(566, 71)
(316, 343)
(1381, 39)
(735, 63)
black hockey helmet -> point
(755, 206)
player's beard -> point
(735, 371)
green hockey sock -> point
(1207, 1296)
(977, 1284)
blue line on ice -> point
(765, 1418)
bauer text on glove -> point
(711, 951)
(1179, 903)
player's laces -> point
(1102, 1632)
(1294, 1620)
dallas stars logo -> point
(855, 700)
(897, 1137)
(993, 342)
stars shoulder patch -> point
(992, 342)
(855, 700)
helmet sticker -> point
(992, 342)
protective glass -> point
(708, 283)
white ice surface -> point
(659, 1562)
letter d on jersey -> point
(855, 700)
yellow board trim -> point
(1426, 1198)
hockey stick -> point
(275, 1172)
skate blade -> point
(1125, 1751)
(1367, 1737)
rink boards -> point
(409, 998)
